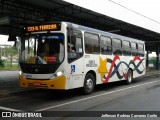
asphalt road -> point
(8, 81)
(142, 95)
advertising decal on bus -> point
(105, 75)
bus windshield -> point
(42, 49)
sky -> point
(4, 40)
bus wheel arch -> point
(89, 82)
(129, 78)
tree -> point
(10, 51)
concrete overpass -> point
(14, 14)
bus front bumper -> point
(56, 83)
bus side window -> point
(141, 50)
(134, 49)
(91, 43)
(126, 48)
(105, 45)
(79, 45)
(117, 47)
(74, 45)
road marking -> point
(75, 101)
(9, 109)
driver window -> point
(74, 45)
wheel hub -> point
(89, 84)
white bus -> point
(65, 56)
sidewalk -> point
(151, 71)
(9, 81)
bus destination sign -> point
(43, 27)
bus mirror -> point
(12, 38)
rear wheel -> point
(89, 84)
(129, 77)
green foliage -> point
(9, 66)
(1, 63)
(10, 51)
(152, 60)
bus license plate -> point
(36, 84)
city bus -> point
(64, 55)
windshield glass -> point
(42, 49)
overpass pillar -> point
(147, 60)
(157, 58)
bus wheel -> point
(89, 84)
(129, 77)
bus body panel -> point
(76, 70)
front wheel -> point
(129, 77)
(89, 84)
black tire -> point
(129, 79)
(89, 84)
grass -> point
(8, 66)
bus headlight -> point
(59, 73)
(20, 72)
